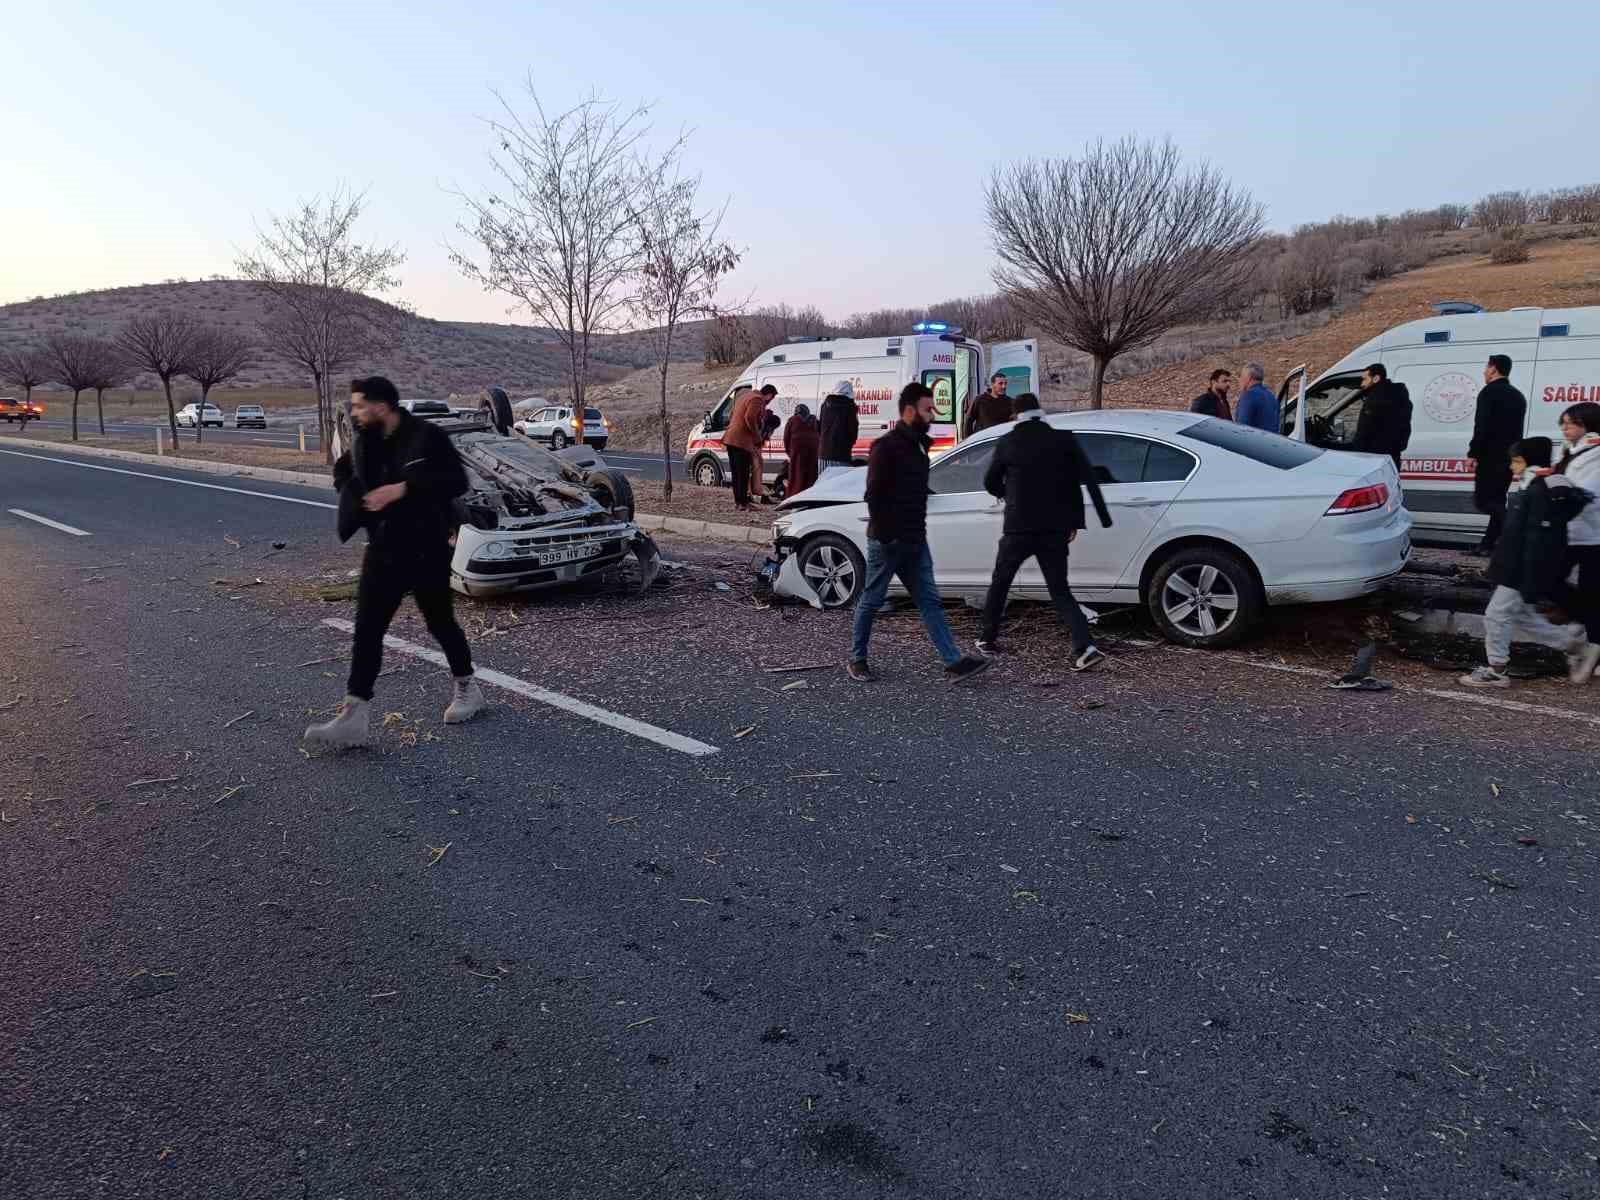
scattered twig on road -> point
(138, 783)
(230, 792)
(1497, 881)
(1077, 1018)
(500, 973)
(10, 704)
(745, 732)
(642, 1021)
(796, 686)
(231, 540)
(435, 853)
(239, 718)
(1355, 895)
(817, 775)
(314, 662)
(798, 667)
(694, 900)
(235, 583)
(382, 995)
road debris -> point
(1077, 1018)
(239, 718)
(1527, 841)
(745, 732)
(435, 853)
(233, 791)
(797, 686)
(1359, 677)
(1495, 880)
(640, 1022)
(10, 704)
(828, 666)
(314, 662)
(139, 783)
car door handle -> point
(1139, 502)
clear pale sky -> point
(141, 140)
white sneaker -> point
(1583, 663)
(466, 701)
(1486, 677)
(1088, 660)
(348, 727)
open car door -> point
(1292, 404)
(1018, 362)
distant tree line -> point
(167, 344)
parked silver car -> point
(554, 424)
(249, 416)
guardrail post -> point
(160, 440)
(302, 439)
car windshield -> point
(592, 414)
(1271, 449)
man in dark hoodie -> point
(841, 426)
(398, 483)
(991, 408)
(1497, 424)
(1040, 472)
(1213, 402)
(1384, 426)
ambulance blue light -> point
(935, 327)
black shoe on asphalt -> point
(859, 671)
(965, 669)
(1088, 660)
(989, 647)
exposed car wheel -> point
(707, 471)
(834, 568)
(1205, 596)
(558, 440)
(613, 488)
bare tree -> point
(559, 235)
(683, 261)
(1501, 210)
(321, 280)
(1308, 274)
(219, 354)
(1108, 252)
(25, 366)
(161, 343)
(72, 363)
(110, 368)
(777, 323)
(726, 341)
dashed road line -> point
(578, 708)
(72, 529)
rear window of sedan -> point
(1257, 444)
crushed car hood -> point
(840, 485)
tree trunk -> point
(100, 408)
(75, 415)
(172, 413)
(200, 417)
(1097, 382)
(666, 423)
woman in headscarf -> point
(802, 440)
(1580, 430)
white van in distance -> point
(804, 370)
(1555, 357)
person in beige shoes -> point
(397, 482)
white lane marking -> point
(1477, 698)
(578, 708)
(215, 487)
(22, 512)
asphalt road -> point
(1208, 932)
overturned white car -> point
(532, 518)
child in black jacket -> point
(1526, 567)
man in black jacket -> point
(897, 537)
(991, 408)
(840, 427)
(1502, 411)
(1041, 472)
(397, 482)
(1213, 402)
(1384, 426)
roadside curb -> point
(752, 535)
(241, 470)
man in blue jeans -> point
(897, 537)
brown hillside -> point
(1562, 274)
(435, 359)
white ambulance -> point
(804, 370)
(1555, 356)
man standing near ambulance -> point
(1497, 426)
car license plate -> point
(566, 554)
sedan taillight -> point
(1361, 499)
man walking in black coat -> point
(1041, 472)
(897, 538)
(841, 425)
(1502, 412)
(398, 483)
(1384, 426)
(992, 408)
